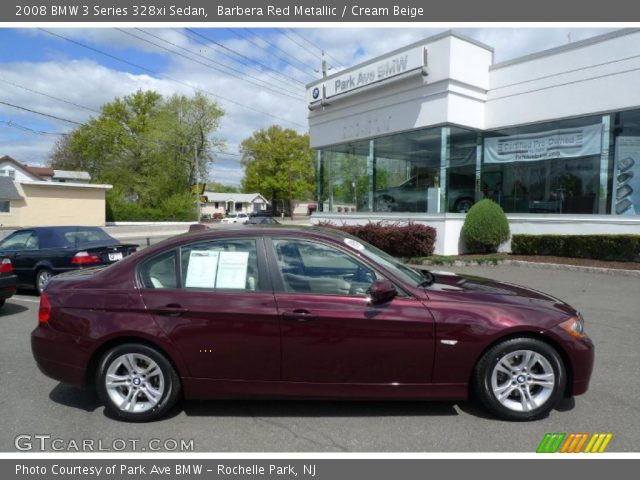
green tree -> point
(145, 146)
(222, 188)
(278, 164)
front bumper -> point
(581, 355)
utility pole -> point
(195, 153)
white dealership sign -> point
(384, 69)
(559, 143)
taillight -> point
(44, 313)
(6, 266)
(85, 258)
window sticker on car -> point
(354, 244)
(232, 270)
(203, 265)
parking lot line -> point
(25, 299)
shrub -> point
(399, 240)
(624, 248)
(178, 207)
(485, 227)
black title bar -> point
(304, 11)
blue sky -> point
(266, 86)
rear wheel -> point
(42, 279)
(520, 379)
(137, 383)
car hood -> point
(472, 288)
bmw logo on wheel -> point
(316, 93)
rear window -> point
(86, 235)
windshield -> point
(399, 269)
(404, 272)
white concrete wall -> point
(567, 82)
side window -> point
(160, 271)
(230, 264)
(17, 241)
(309, 267)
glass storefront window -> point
(626, 173)
(408, 169)
(461, 182)
(547, 168)
(565, 166)
(346, 178)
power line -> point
(240, 77)
(47, 95)
(40, 113)
(11, 123)
(242, 56)
(196, 89)
(321, 50)
(242, 35)
(286, 53)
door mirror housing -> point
(382, 291)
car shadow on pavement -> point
(11, 308)
(75, 397)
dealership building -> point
(423, 132)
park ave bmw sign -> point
(386, 68)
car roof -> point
(61, 228)
(312, 232)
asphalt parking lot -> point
(33, 404)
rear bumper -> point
(8, 286)
(58, 356)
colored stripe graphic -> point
(557, 442)
(598, 442)
(550, 443)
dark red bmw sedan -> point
(303, 313)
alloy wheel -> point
(134, 382)
(523, 380)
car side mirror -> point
(382, 291)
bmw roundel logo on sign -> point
(316, 93)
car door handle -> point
(171, 310)
(298, 315)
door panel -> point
(341, 339)
(220, 335)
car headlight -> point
(574, 326)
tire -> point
(43, 276)
(520, 379)
(127, 363)
(2, 302)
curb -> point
(548, 266)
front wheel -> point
(520, 379)
(137, 383)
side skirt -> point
(203, 389)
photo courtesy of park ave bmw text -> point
(320, 239)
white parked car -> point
(236, 218)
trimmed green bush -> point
(625, 248)
(399, 240)
(485, 227)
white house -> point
(225, 203)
